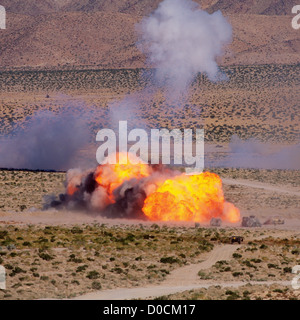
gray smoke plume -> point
(256, 154)
(48, 141)
(181, 40)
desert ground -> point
(248, 104)
(60, 254)
(65, 255)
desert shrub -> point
(221, 262)
(23, 207)
(117, 270)
(246, 293)
(236, 255)
(263, 246)
(16, 270)
(248, 264)
(130, 237)
(76, 230)
(237, 274)
(256, 260)
(278, 290)
(96, 285)
(287, 270)
(233, 296)
(205, 245)
(72, 258)
(203, 275)
(3, 234)
(169, 260)
(45, 256)
(81, 268)
(93, 275)
(164, 271)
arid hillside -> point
(144, 7)
(102, 34)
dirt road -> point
(188, 275)
(181, 279)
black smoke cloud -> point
(126, 201)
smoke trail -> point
(49, 141)
(181, 40)
(256, 154)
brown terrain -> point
(101, 34)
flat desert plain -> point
(65, 255)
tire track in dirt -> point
(181, 279)
(189, 274)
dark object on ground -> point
(215, 222)
(238, 239)
(251, 221)
(274, 220)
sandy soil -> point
(181, 279)
(55, 253)
(264, 186)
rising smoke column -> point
(181, 40)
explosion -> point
(190, 198)
(147, 192)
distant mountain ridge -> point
(144, 7)
(101, 34)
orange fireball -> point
(170, 197)
(111, 176)
(190, 198)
